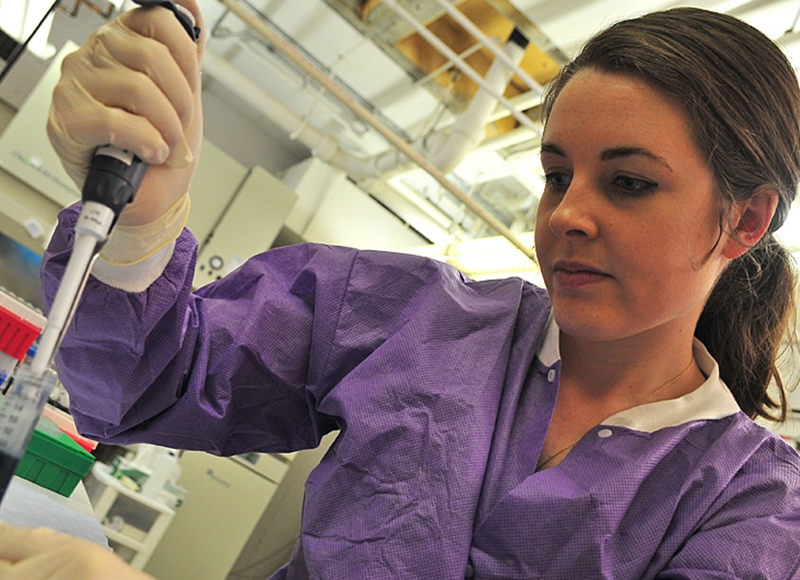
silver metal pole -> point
(459, 62)
(490, 44)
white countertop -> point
(29, 505)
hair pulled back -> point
(742, 100)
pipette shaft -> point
(113, 179)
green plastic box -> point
(53, 460)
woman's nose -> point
(575, 214)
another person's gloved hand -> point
(41, 554)
(135, 84)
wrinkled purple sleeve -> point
(240, 365)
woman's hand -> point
(42, 554)
(134, 84)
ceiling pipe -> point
(367, 116)
(490, 45)
(469, 129)
(447, 65)
(509, 139)
(257, 99)
(446, 148)
(449, 146)
(523, 102)
(448, 53)
(323, 146)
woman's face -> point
(629, 214)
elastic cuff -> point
(129, 245)
(135, 277)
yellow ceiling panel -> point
(538, 64)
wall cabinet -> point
(133, 524)
(225, 499)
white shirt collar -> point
(711, 400)
(549, 353)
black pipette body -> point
(8, 466)
(115, 174)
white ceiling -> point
(407, 106)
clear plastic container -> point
(32, 446)
(7, 365)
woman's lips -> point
(576, 274)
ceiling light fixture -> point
(20, 18)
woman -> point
(492, 430)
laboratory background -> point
(399, 125)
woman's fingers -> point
(151, 69)
(134, 85)
(17, 543)
(42, 554)
(163, 28)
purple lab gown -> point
(442, 405)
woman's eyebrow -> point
(611, 153)
(618, 152)
(551, 148)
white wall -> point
(349, 217)
(247, 141)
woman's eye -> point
(556, 180)
(633, 186)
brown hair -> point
(742, 98)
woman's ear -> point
(749, 222)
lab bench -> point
(29, 505)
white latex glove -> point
(134, 84)
(42, 554)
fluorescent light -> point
(18, 18)
(38, 44)
(485, 258)
(12, 17)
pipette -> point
(113, 179)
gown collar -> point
(711, 400)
